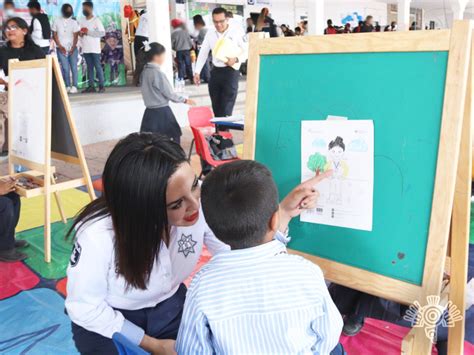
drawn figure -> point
(338, 165)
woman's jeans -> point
(68, 64)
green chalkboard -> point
(402, 92)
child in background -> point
(157, 93)
(255, 298)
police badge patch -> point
(76, 254)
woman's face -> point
(14, 33)
(336, 153)
(182, 197)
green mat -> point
(60, 250)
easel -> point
(42, 172)
(450, 212)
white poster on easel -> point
(346, 147)
(28, 100)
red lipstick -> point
(192, 217)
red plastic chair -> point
(203, 150)
(200, 117)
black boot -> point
(11, 255)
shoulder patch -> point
(76, 254)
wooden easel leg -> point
(58, 201)
(460, 226)
(47, 226)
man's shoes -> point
(101, 90)
(73, 90)
(11, 255)
(89, 90)
(19, 243)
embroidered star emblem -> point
(186, 244)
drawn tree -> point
(317, 163)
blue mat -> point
(34, 322)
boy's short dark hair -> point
(219, 10)
(34, 5)
(238, 200)
(88, 4)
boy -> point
(255, 298)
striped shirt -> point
(259, 300)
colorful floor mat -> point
(34, 322)
(60, 250)
(15, 277)
(32, 209)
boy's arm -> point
(328, 325)
(194, 336)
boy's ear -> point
(274, 222)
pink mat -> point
(15, 277)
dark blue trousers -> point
(161, 322)
(184, 65)
(9, 215)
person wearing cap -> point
(182, 44)
(92, 30)
(224, 82)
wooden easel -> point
(42, 171)
(450, 213)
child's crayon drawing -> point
(346, 148)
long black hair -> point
(145, 55)
(24, 26)
(135, 179)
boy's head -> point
(240, 203)
(34, 7)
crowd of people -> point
(25, 41)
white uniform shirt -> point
(234, 33)
(37, 34)
(94, 288)
(142, 29)
(65, 28)
(90, 43)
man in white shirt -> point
(40, 29)
(224, 82)
(65, 34)
(141, 34)
(91, 32)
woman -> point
(137, 243)
(19, 46)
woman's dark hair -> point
(198, 20)
(146, 56)
(24, 26)
(135, 179)
(338, 142)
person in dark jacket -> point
(368, 24)
(40, 29)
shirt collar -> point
(250, 255)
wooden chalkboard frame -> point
(454, 158)
(46, 170)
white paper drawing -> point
(346, 148)
(29, 113)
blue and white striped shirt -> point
(259, 301)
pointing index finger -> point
(317, 179)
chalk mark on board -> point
(397, 166)
(284, 132)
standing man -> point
(200, 28)
(40, 29)
(92, 30)
(141, 34)
(65, 34)
(224, 82)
